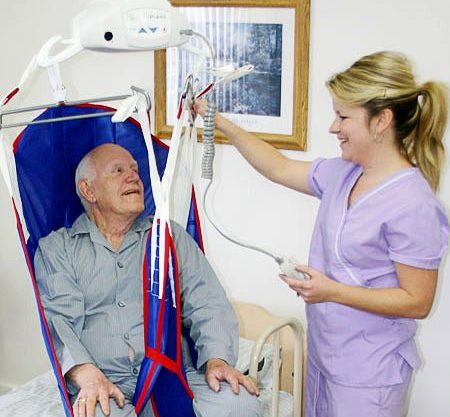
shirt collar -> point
(83, 225)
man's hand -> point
(218, 370)
(94, 387)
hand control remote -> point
(287, 267)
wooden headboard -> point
(253, 320)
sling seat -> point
(46, 156)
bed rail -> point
(274, 331)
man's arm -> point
(209, 316)
(63, 304)
(206, 310)
(62, 300)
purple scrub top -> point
(400, 220)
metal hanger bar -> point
(69, 103)
(57, 119)
(98, 100)
(66, 103)
(145, 94)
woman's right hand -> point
(200, 106)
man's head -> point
(108, 183)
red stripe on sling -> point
(159, 334)
(41, 308)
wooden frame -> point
(296, 140)
(256, 323)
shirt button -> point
(119, 264)
(135, 371)
(126, 336)
(121, 304)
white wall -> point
(250, 207)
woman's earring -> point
(378, 139)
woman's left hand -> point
(317, 289)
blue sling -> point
(46, 156)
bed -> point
(279, 376)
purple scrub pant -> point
(328, 399)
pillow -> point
(264, 364)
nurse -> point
(379, 236)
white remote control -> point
(287, 266)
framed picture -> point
(273, 36)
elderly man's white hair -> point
(85, 171)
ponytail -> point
(428, 151)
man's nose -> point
(132, 175)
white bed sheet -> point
(40, 398)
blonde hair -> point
(385, 80)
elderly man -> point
(89, 278)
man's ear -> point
(86, 191)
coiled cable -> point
(207, 171)
(208, 138)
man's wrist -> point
(84, 373)
(215, 361)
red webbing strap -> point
(158, 358)
(141, 399)
(10, 96)
(46, 331)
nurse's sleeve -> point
(418, 235)
(323, 173)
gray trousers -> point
(207, 403)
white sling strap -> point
(180, 151)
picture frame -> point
(281, 121)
